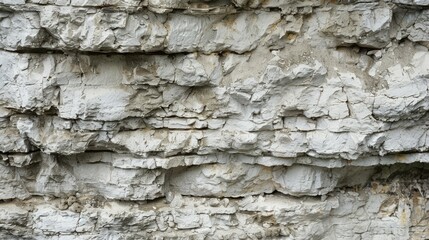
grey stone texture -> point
(214, 119)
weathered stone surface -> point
(272, 216)
(86, 30)
(366, 27)
(226, 119)
(230, 180)
(302, 180)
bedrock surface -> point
(216, 119)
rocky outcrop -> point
(156, 119)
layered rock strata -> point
(217, 119)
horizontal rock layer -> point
(125, 119)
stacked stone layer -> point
(125, 119)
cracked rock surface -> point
(214, 119)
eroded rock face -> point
(159, 119)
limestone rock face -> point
(215, 119)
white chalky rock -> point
(222, 180)
(300, 180)
(214, 119)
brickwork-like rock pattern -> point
(214, 119)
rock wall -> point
(214, 119)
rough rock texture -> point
(214, 119)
